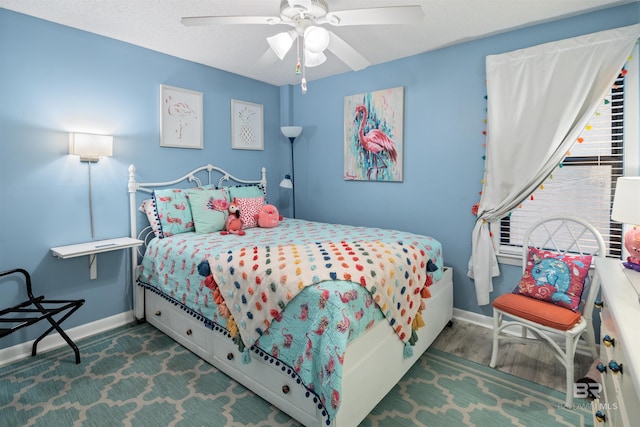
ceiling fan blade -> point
(229, 20)
(394, 15)
(268, 58)
(346, 53)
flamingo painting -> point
(373, 135)
(375, 143)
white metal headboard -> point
(149, 187)
(134, 186)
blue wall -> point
(55, 79)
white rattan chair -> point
(556, 326)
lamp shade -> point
(90, 147)
(626, 201)
(312, 59)
(281, 42)
(286, 182)
(291, 131)
(316, 39)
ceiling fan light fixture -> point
(302, 9)
(316, 39)
(312, 59)
(282, 42)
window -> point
(583, 185)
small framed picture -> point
(246, 126)
(180, 118)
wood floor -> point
(531, 361)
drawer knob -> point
(608, 341)
(285, 389)
(598, 303)
(600, 417)
(189, 332)
(602, 368)
(158, 313)
(229, 356)
(615, 367)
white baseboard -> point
(475, 318)
(54, 340)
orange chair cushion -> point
(541, 312)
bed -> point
(321, 320)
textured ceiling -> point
(242, 49)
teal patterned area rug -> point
(136, 376)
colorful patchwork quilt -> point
(307, 339)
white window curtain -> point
(539, 100)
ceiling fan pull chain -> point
(303, 82)
(298, 65)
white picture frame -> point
(180, 118)
(247, 132)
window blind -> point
(582, 185)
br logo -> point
(587, 390)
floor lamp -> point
(291, 132)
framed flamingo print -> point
(180, 117)
(373, 135)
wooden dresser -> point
(619, 401)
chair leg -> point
(71, 307)
(590, 340)
(497, 320)
(569, 356)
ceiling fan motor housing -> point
(303, 9)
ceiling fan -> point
(307, 17)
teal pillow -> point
(209, 209)
(245, 191)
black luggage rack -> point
(36, 309)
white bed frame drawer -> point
(156, 311)
(179, 325)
